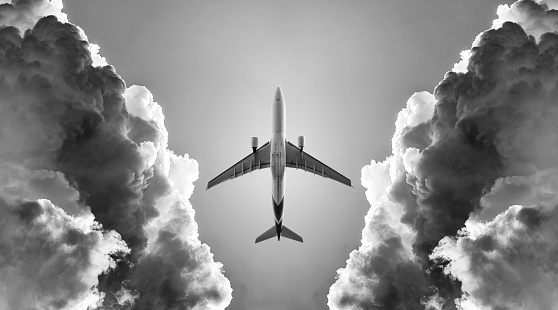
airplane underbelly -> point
(278, 163)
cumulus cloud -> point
(470, 206)
(49, 260)
(535, 17)
(384, 273)
(89, 191)
(508, 263)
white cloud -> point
(51, 260)
(477, 159)
(73, 134)
(508, 262)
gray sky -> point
(346, 68)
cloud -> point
(535, 17)
(85, 151)
(470, 185)
(49, 260)
(384, 273)
(508, 263)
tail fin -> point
(285, 232)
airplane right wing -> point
(257, 160)
(299, 159)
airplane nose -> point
(278, 94)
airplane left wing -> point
(257, 160)
(301, 160)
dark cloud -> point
(489, 143)
(73, 133)
(46, 254)
(508, 263)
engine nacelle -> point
(254, 144)
(301, 142)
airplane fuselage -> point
(278, 159)
(278, 154)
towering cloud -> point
(463, 214)
(94, 209)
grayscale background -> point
(346, 68)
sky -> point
(346, 70)
(453, 173)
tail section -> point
(278, 231)
(287, 233)
(268, 234)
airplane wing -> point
(301, 160)
(258, 160)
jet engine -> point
(254, 144)
(301, 142)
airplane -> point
(278, 154)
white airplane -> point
(278, 154)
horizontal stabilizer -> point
(287, 233)
(270, 233)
